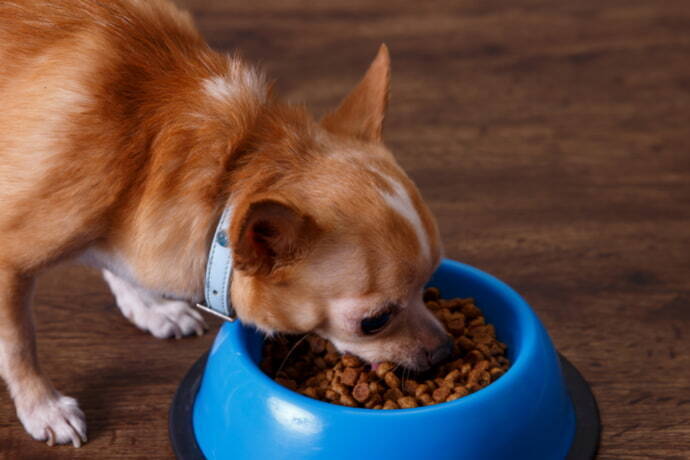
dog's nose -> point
(441, 353)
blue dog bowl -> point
(227, 408)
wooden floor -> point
(551, 139)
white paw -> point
(171, 319)
(161, 317)
(56, 420)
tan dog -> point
(122, 139)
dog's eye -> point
(374, 324)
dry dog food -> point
(312, 366)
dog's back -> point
(86, 88)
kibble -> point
(361, 392)
(390, 405)
(407, 402)
(391, 380)
(314, 367)
(441, 393)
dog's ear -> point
(362, 112)
(270, 233)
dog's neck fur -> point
(196, 162)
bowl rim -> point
(529, 327)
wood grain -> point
(550, 139)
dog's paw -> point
(171, 318)
(56, 420)
(161, 317)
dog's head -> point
(333, 237)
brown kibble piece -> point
(361, 392)
(351, 361)
(349, 376)
(421, 389)
(484, 379)
(393, 394)
(495, 349)
(464, 343)
(475, 356)
(482, 365)
(311, 392)
(433, 305)
(495, 373)
(483, 339)
(331, 358)
(407, 402)
(346, 400)
(452, 376)
(461, 391)
(473, 377)
(384, 368)
(470, 311)
(390, 405)
(456, 326)
(425, 399)
(454, 304)
(392, 380)
(441, 393)
(465, 369)
(476, 322)
(339, 388)
(375, 387)
(374, 400)
(409, 386)
(484, 350)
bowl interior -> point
(514, 325)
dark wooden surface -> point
(552, 141)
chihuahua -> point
(124, 137)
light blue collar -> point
(219, 271)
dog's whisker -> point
(292, 349)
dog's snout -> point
(441, 353)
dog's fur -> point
(123, 136)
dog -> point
(124, 137)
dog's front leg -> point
(45, 413)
